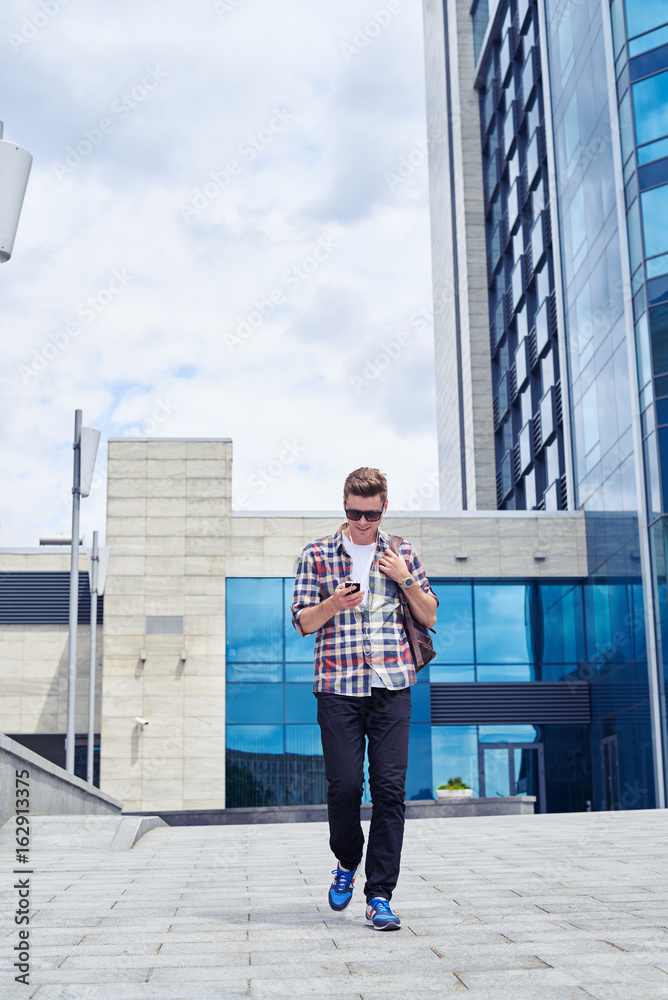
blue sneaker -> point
(380, 916)
(341, 889)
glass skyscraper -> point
(548, 137)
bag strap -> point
(409, 624)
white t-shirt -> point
(362, 557)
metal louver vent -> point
(164, 625)
(558, 404)
(43, 598)
(533, 349)
(537, 437)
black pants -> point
(383, 717)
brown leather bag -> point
(420, 642)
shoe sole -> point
(387, 927)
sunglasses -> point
(370, 515)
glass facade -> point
(489, 631)
(591, 273)
(640, 52)
(526, 377)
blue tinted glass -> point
(299, 672)
(507, 734)
(305, 782)
(654, 214)
(452, 673)
(303, 740)
(663, 457)
(647, 42)
(254, 619)
(297, 648)
(503, 623)
(615, 623)
(570, 672)
(650, 103)
(254, 703)
(662, 411)
(300, 703)
(654, 151)
(454, 630)
(420, 703)
(643, 15)
(418, 775)
(497, 772)
(562, 617)
(244, 673)
(255, 739)
(455, 755)
(499, 672)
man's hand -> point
(343, 600)
(394, 566)
(313, 618)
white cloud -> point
(154, 99)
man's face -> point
(363, 532)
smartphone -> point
(353, 587)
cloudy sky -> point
(225, 234)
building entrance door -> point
(610, 767)
(513, 769)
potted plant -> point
(454, 788)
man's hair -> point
(365, 482)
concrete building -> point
(548, 140)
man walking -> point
(363, 676)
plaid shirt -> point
(372, 635)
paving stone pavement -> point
(562, 907)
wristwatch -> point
(408, 583)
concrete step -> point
(80, 832)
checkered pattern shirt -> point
(352, 642)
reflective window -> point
(295, 672)
(618, 29)
(244, 673)
(455, 755)
(643, 15)
(451, 673)
(254, 703)
(658, 319)
(590, 425)
(507, 734)
(300, 703)
(562, 619)
(650, 104)
(571, 132)
(652, 40)
(305, 780)
(297, 647)
(615, 623)
(642, 351)
(654, 215)
(455, 624)
(504, 672)
(254, 619)
(419, 780)
(503, 623)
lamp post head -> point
(15, 164)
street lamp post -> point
(85, 451)
(94, 562)
(97, 572)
